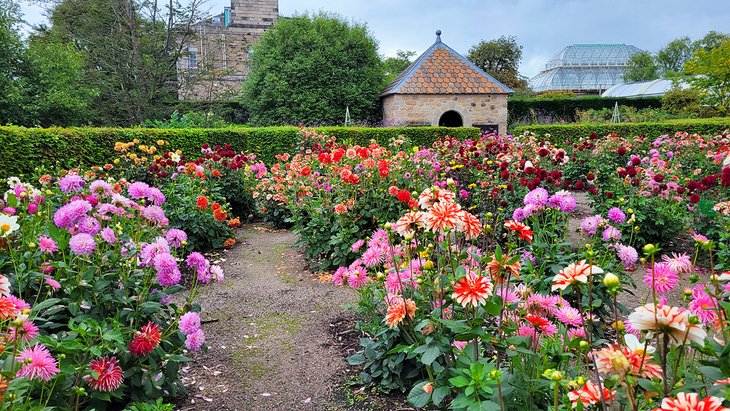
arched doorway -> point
(451, 118)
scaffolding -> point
(585, 68)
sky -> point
(542, 27)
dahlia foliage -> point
(89, 269)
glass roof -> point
(643, 88)
(585, 67)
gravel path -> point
(268, 329)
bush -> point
(23, 149)
(541, 110)
(559, 133)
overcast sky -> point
(542, 27)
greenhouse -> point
(585, 68)
(651, 88)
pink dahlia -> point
(661, 277)
(569, 316)
(680, 263)
(38, 363)
(82, 244)
(47, 245)
(195, 340)
(26, 332)
(189, 322)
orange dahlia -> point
(398, 308)
(469, 225)
(624, 361)
(574, 273)
(472, 289)
(497, 267)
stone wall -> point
(223, 52)
(422, 109)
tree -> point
(12, 64)
(500, 58)
(131, 48)
(392, 66)
(672, 57)
(309, 69)
(710, 73)
(641, 67)
(711, 40)
(56, 90)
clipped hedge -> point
(565, 108)
(22, 149)
(559, 133)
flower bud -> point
(380, 275)
(556, 376)
(388, 226)
(31, 245)
(428, 329)
(428, 265)
(428, 388)
(650, 249)
(611, 280)
(618, 325)
(580, 380)
(583, 344)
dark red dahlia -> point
(146, 340)
(694, 199)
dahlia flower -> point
(176, 237)
(398, 308)
(680, 263)
(522, 229)
(72, 182)
(574, 273)
(685, 401)
(628, 255)
(26, 331)
(407, 225)
(624, 361)
(109, 374)
(69, 214)
(671, 321)
(47, 245)
(38, 363)
(8, 224)
(469, 224)
(472, 289)
(569, 316)
(4, 286)
(195, 341)
(146, 340)
(661, 277)
(443, 216)
(189, 322)
(82, 244)
(616, 215)
(589, 394)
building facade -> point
(442, 88)
(215, 64)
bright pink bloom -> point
(661, 277)
(38, 363)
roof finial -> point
(438, 36)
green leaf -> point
(430, 355)
(459, 381)
(418, 397)
(438, 394)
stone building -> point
(442, 88)
(215, 63)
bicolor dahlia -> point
(4, 286)
(574, 273)
(443, 216)
(671, 321)
(146, 340)
(398, 308)
(407, 225)
(470, 225)
(7, 308)
(685, 401)
(496, 267)
(523, 230)
(109, 374)
(472, 289)
(623, 361)
(589, 394)
(37, 363)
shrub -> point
(22, 149)
(554, 110)
(560, 133)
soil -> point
(275, 332)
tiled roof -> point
(441, 70)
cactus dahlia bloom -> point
(146, 340)
(109, 374)
(672, 321)
(574, 273)
(398, 308)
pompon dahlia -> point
(589, 394)
(195, 340)
(672, 321)
(146, 340)
(109, 374)
(189, 322)
(574, 273)
(37, 363)
(691, 402)
(472, 289)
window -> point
(192, 58)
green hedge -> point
(23, 149)
(565, 108)
(559, 133)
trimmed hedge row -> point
(559, 133)
(22, 149)
(565, 108)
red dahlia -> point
(109, 374)
(146, 340)
(404, 196)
